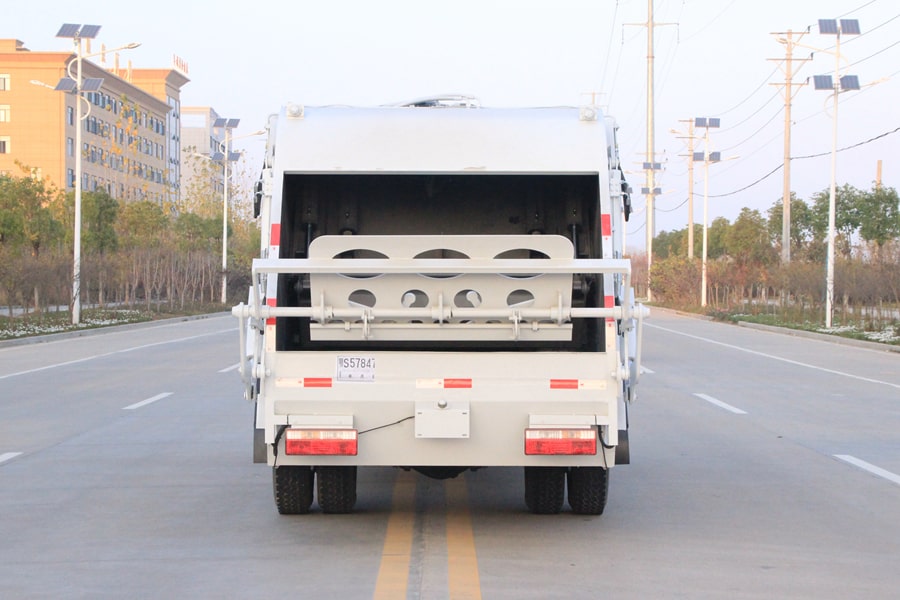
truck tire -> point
(337, 489)
(545, 489)
(293, 487)
(588, 489)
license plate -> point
(356, 368)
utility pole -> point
(787, 38)
(650, 165)
(690, 138)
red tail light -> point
(321, 442)
(560, 441)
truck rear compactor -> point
(441, 287)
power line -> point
(753, 114)
(875, 54)
(753, 93)
(609, 48)
(776, 169)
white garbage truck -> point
(441, 287)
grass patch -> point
(59, 322)
(885, 333)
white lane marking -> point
(147, 401)
(8, 456)
(646, 370)
(105, 354)
(721, 404)
(233, 367)
(773, 357)
(869, 467)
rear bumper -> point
(443, 409)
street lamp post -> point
(76, 85)
(835, 86)
(225, 155)
(707, 157)
(228, 125)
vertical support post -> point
(226, 152)
(832, 196)
(651, 152)
(705, 217)
(76, 253)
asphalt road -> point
(763, 466)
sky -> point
(712, 58)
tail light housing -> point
(321, 442)
(561, 441)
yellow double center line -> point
(462, 563)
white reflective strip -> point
(429, 384)
(287, 382)
(592, 384)
(270, 338)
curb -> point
(53, 337)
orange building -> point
(131, 127)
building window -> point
(70, 147)
(70, 115)
(4, 82)
(4, 113)
(4, 144)
(70, 178)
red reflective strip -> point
(275, 235)
(450, 384)
(321, 442)
(317, 382)
(561, 447)
(271, 302)
(605, 225)
(563, 384)
(609, 301)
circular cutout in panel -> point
(361, 298)
(521, 253)
(414, 299)
(467, 299)
(360, 253)
(441, 253)
(519, 299)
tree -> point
(801, 224)
(26, 215)
(715, 237)
(667, 244)
(879, 217)
(141, 224)
(747, 239)
(846, 216)
(99, 213)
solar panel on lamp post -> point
(835, 85)
(75, 84)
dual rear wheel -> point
(546, 487)
(294, 485)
